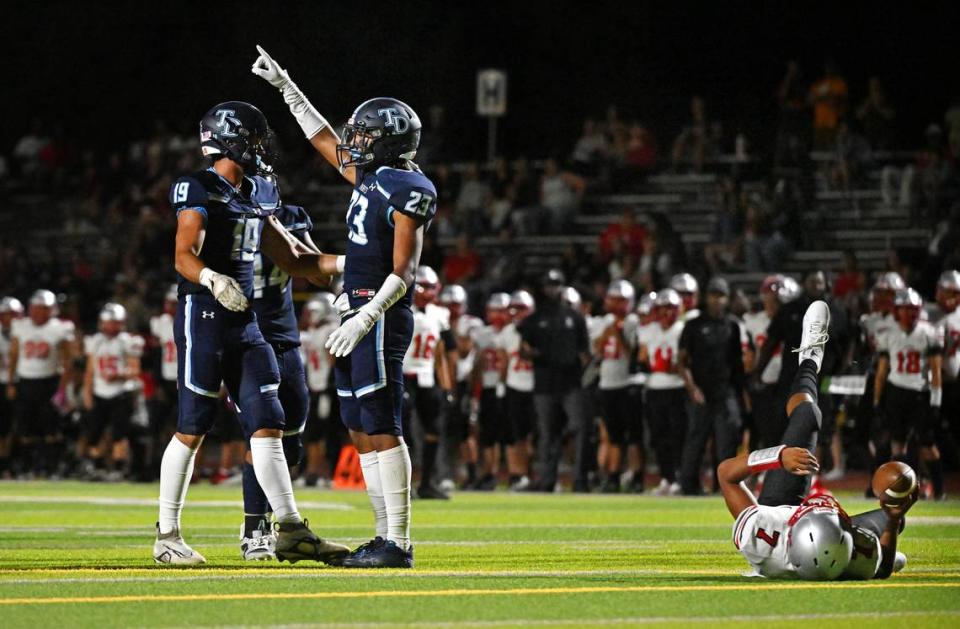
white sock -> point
(369, 464)
(395, 472)
(270, 467)
(176, 469)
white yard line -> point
(151, 502)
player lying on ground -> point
(391, 206)
(784, 535)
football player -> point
(38, 368)
(453, 297)
(391, 207)
(614, 339)
(513, 427)
(782, 534)
(111, 378)
(486, 385)
(273, 305)
(321, 320)
(688, 288)
(910, 387)
(161, 327)
(775, 290)
(10, 309)
(426, 361)
(224, 219)
(948, 296)
(666, 396)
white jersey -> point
(910, 354)
(760, 533)
(4, 355)
(950, 326)
(485, 348)
(874, 325)
(615, 356)
(39, 347)
(519, 370)
(463, 329)
(663, 348)
(690, 315)
(756, 324)
(111, 356)
(420, 359)
(161, 327)
(316, 357)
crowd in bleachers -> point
(617, 205)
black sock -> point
(613, 478)
(935, 469)
(806, 380)
(255, 522)
(471, 473)
(429, 461)
(514, 478)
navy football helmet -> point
(239, 131)
(380, 132)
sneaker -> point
(447, 485)
(171, 549)
(295, 541)
(487, 483)
(384, 555)
(610, 486)
(522, 484)
(663, 489)
(260, 546)
(429, 492)
(816, 322)
(675, 489)
(356, 558)
(899, 561)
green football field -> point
(77, 555)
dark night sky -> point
(105, 73)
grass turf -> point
(74, 555)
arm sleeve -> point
(187, 193)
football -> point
(893, 482)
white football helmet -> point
(819, 547)
(113, 312)
(11, 304)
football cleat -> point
(260, 546)
(429, 492)
(899, 561)
(295, 541)
(386, 554)
(521, 484)
(355, 559)
(816, 322)
(171, 549)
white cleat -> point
(899, 561)
(171, 549)
(816, 322)
(663, 489)
(261, 547)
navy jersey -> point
(233, 220)
(376, 197)
(272, 289)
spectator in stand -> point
(473, 200)
(526, 215)
(875, 116)
(726, 239)
(793, 125)
(932, 169)
(711, 363)
(828, 96)
(627, 234)
(464, 264)
(852, 157)
(590, 151)
(764, 247)
(617, 135)
(697, 141)
(560, 193)
(641, 150)
(850, 283)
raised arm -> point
(315, 127)
(732, 472)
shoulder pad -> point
(189, 192)
(265, 193)
(409, 192)
(294, 218)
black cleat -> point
(385, 554)
(355, 559)
(295, 541)
(429, 492)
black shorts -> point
(6, 414)
(617, 408)
(908, 414)
(34, 413)
(324, 411)
(111, 414)
(521, 415)
(457, 421)
(424, 401)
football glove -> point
(269, 70)
(309, 119)
(225, 289)
(342, 340)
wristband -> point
(936, 397)
(391, 291)
(766, 459)
(341, 264)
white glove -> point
(269, 70)
(225, 289)
(342, 340)
(309, 119)
(341, 305)
(501, 391)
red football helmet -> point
(427, 287)
(908, 305)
